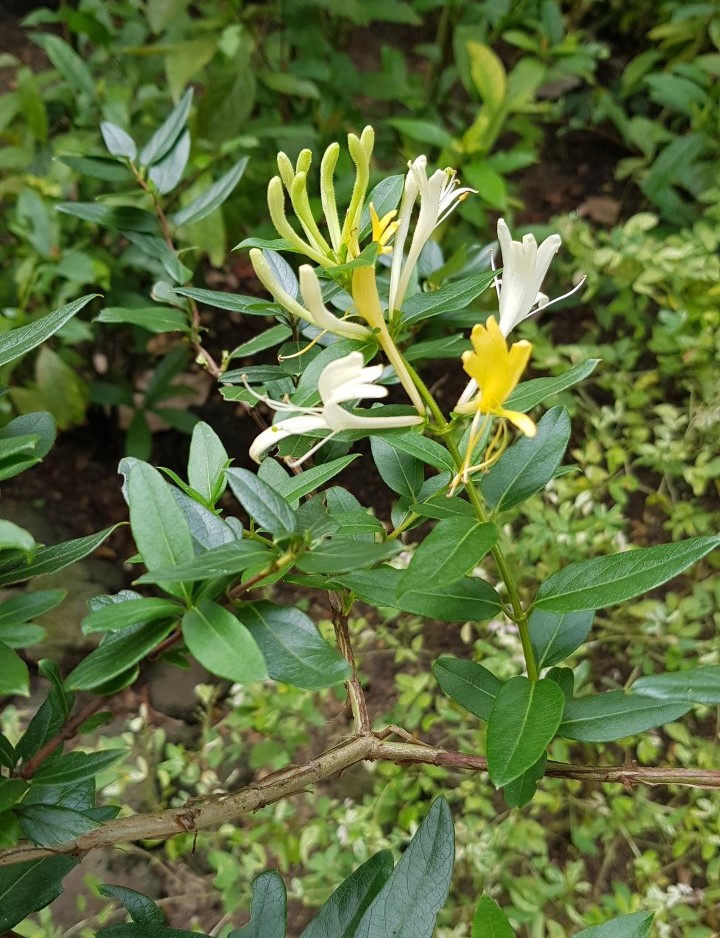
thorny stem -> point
(519, 614)
(358, 706)
(213, 812)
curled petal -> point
(291, 426)
(524, 423)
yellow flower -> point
(496, 371)
(383, 228)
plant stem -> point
(519, 615)
(213, 812)
(356, 696)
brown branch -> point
(213, 812)
(356, 696)
(68, 731)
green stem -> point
(519, 614)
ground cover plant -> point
(370, 586)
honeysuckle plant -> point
(370, 312)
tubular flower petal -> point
(496, 371)
(345, 379)
(524, 268)
(314, 311)
(439, 196)
(321, 315)
(367, 302)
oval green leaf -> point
(293, 649)
(453, 548)
(222, 644)
(524, 719)
(468, 683)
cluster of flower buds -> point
(494, 368)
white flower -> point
(345, 379)
(524, 268)
(439, 196)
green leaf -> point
(13, 537)
(76, 766)
(523, 721)
(66, 60)
(116, 616)
(408, 904)
(7, 753)
(47, 824)
(603, 581)
(423, 448)
(222, 644)
(163, 140)
(52, 559)
(528, 466)
(11, 791)
(402, 473)
(207, 462)
(28, 606)
(153, 318)
(116, 217)
(467, 683)
(453, 549)
(554, 637)
(117, 654)
(341, 914)
(265, 340)
(488, 75)
(443, 507)
(266, 506)
(614, 715)
(297, 487)
(636, 925)
(208, 530)
(343, 555)
(532, 392)
(226, 560)
(167, 172)
(140, 909)
(294, 650)
(469, 599)
(28, 887)
(39, 424)
(97, 167)
(17, 342)
(14, 676)
(137, 930)
(268, 908)
(234, 302)
(424, 131)
(118, 141)
(158, 524)
(489, 921)
(522, 790)
(453, 296)
(696, 685)
(213, 198)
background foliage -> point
(621, 99)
